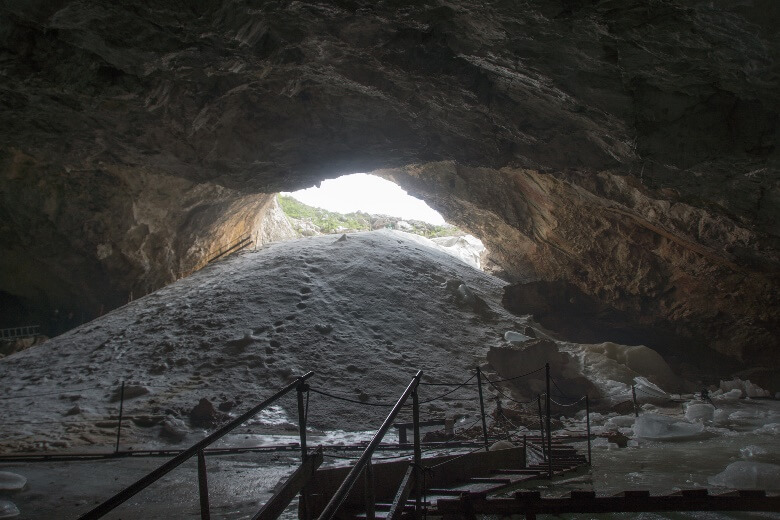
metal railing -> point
(363, 465)
(27, 331)
(197, 449)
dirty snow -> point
(364, 314)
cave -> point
(589, 143)
(623, 154)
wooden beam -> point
(282, 498)
(587, 502)
(397, 509)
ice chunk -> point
(700, 412)
(751, 451)
(621, 421)
(622, 363)
(8, 509)
(745, 387)
(648, 392)
(660, 427)
(730, 396)
(11, 481)
(773, 428)
(720, 416)
(753, 390)
(515, 337)
(748, 475)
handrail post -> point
(525, 451)
(418, 472)
(119, 423)
(636, 406)
(541, 427)
(304, 496)
(587, 423)
(111, 503)
(549, 434)
(331, 509)
(203, 487)
(482, 408)
(368, 474)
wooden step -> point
(516, 471)
(491, 480)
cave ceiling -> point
(627, 147)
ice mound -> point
(610, 362)
(746, 388)
(11, 481)
(663, 428)
(748, 475)
(8, 509)
(701, 412)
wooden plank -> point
(625, 502)
(517, 471)
(282, 498)
(490, 480)
(399, 502)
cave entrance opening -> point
(366, 202)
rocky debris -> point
(131, 390)
(518, 359)
(324, 328)
(465, 297)
(204, 415)
(13, 346)
(226, 406)
(76, 410)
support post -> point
(541, 427)
(482, 408)
(368, 475)
(549, 434)
(525, 451)
(119, 423)
(304, 498)
(587, 423)
(418, 473)
(203, 487)
(636, 406)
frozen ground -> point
(363, 313)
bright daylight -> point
(369, 194)
(363, 202)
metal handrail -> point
(101, 509)
(26, 331)
(346, 486)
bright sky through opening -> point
(370, 194)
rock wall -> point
(84, 242)
(629, 147)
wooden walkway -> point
(530, 503)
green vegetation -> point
(303, 218)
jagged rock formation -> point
(627, 147)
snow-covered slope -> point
(364, 313)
